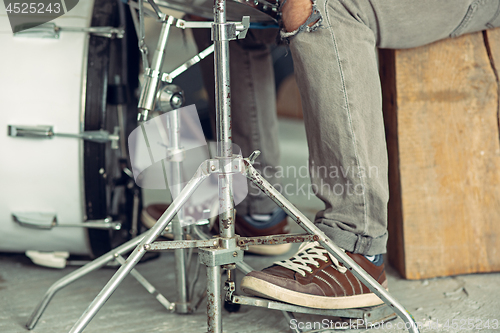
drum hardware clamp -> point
(47, 131)
(51, 30)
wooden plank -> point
(493, 37)
(395, 244)
(449, 157)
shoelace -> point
(309, 253)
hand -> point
(295, 13)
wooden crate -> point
(441, 106)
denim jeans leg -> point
(337, 74)
(336, 69)
(253, 106)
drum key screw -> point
(212, 168)
(147, 247)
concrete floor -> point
(131, 309)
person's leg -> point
(337, 73)
(336, 68)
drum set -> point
(104, 201)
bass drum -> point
(72, 82)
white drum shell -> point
(42, 83)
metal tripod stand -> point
(226, 250)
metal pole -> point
(214, 299)
(181, 306)
(152, 75)
(223, 107)
(141, 249)
(308, 226)
(224, 155)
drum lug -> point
(100, 136)
(108, 32)
(47, 221)
(51, 30)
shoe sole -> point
(261, 288)
(269, 250)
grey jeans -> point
(337, 74)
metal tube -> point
(308, 226)
(135, 215)
(214, 299)
(224, 154)
(224, 135)
(153, 75)
(181, 306)
(226, 206)
(148, 286)
(140, 250)
(121, 109)
(80, 272)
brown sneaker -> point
(245, 229)
(314, 278)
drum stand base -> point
(345, 318)
(216, 257)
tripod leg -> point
(82, 271)
(309, 227)
(138, 253)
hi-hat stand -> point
(226, 250)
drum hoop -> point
(98, 56)
(270, 8)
